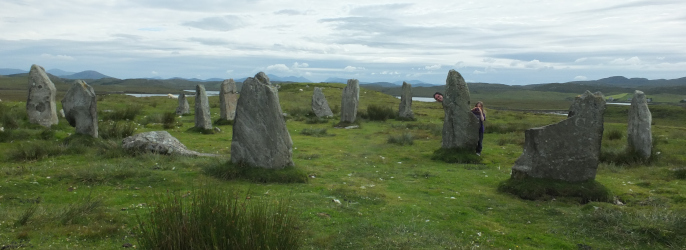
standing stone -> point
(40, 105)
(80, 108)
(228, 97)
(405, 109)
(350, 100)
(568, 150)
(202, 108)
(461, 126)
(639, 133)
(260, 137)
(320, 106)
(183, 107)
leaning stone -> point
(183, 107)
(349, 101)
(202, 108)
(639, 133)
(158, 142)
(80, 108)
(568, 150)
(461, 126)
(40, 105)
(405, 109)
(320, 106)
(260, 136)
(228, 97)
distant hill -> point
(276, 78)
(85, 75)
(59, 72)
(6, 72)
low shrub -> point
(34, 150)
(230, 171)
(614, 134)
(680, 173)
(116, 130)
(379, 113)
(128, 113)
(169, 120)
(545, 189)
(456, 156)
(14, 135)
(316, 132)
(210, 219)
(12, 117)
(151, 118)
(404, 139)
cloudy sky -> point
(510, 42)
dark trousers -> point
(480, 146)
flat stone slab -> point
(159, 142)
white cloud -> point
(581, 60)
(433, 67)
(217, 23)
(57, 57)
(488, 60)
(300, 65)
(631, 61)
(153, 72)
(351, 68)
(389, 73)
(278, 67)
(229, 71)
(580, 78)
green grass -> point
(451, 155)
(389, 196)
(542, 189)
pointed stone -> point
(350, 100)
(405, 109)
(183, 107)
(568, 150)
(80, 108)
(228, 98)
(40, 105)
(461, 126)
(639, 133)
(260, 136)
(320, 106)
(202, 108)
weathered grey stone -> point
(80, 108)
(405, 109)
(183, 107)
(40, 105)
(202, 108)
(349, 101)
(159, 142)
(460, 127)
(260, 136)
(228, 97)
(639, 133)
(320, 106)
(568, 150)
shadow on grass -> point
(201, 130)
(221, 122)
(546, 189)
(455, 155)
(230, 171)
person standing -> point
(480, 113)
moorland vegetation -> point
(375, 187)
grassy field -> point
(65, 195)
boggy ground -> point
(391, 195)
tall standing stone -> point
(228, 97)
(405, 109)
(320, 106)
(40, 105)
(461, 126)
(80, 108)
(183, 107)
(260, 137)
(349, 101)
(568, 150)
(202, 108)
(639, 133)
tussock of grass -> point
(641, 229)
(115, 130)
(403, 139)
(614, 134)
(78, 212)
(230, 171)
(316, 132)
(680, 173)
(12, 117)
(626, 157)
(316, 120)
(456, 155)
(14, 135)
(128, 113)
(35, 150)
(543, 189)
(379, 113)
(211, 219)
(26, 215)
(169, 120)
